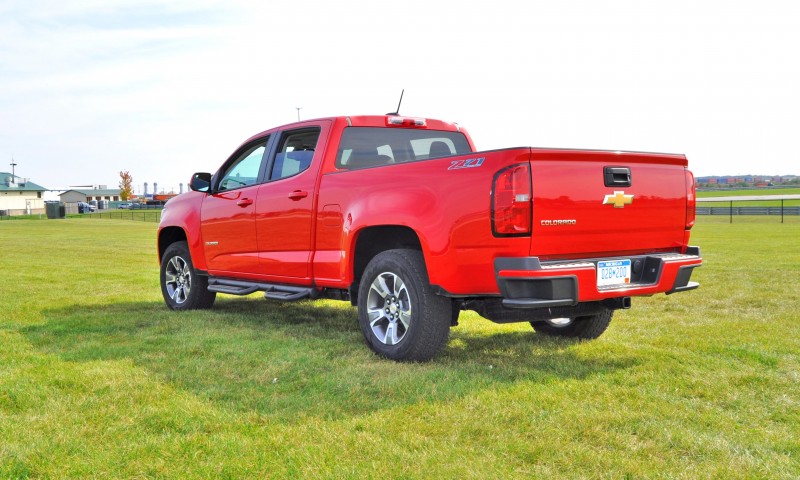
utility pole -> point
(298, 112)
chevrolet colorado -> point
(403, 218)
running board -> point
(271, 291)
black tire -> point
(181, 286)
(586, 327)
(400, 316)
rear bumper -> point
(528, 283)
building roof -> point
(20, 185)
(92, 192)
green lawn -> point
(98, 379)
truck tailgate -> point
(584, 208)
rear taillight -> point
(691, 200)
(511, 201)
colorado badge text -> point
(565, 221)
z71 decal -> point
(468, 163)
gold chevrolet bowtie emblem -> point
(618, 199)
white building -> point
(20, 196)
(79, 194)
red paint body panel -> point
(228, 219)
(284, 219)
(448, 209)
(182, 215)
(568, 185)
(309, 238)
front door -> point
(228, 215)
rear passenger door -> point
(285, 206)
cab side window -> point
(295, 153)
(243, 171)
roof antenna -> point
(397, 112)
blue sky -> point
(89, 88)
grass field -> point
(99, 380)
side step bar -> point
(271, 291)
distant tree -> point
(125, 185)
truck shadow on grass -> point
(307, 359)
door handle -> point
(245, 202)
(298, 194)
(617, 176)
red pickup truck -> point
(403, 218)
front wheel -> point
(400, 316)
(181, 286)
(586, 327)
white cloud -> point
(93, 87)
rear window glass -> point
(363, 147)
(295, 153)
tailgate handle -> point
(617, 176)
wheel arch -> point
(370, 241)
(167, 236)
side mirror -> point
(201, 182)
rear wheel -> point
(399, 314)
(585, 327)
(181, 286)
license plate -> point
(613, 272)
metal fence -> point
(141, 215)
(748, 210)
(787, 208)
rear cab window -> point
(364, 147)
(295, 152)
